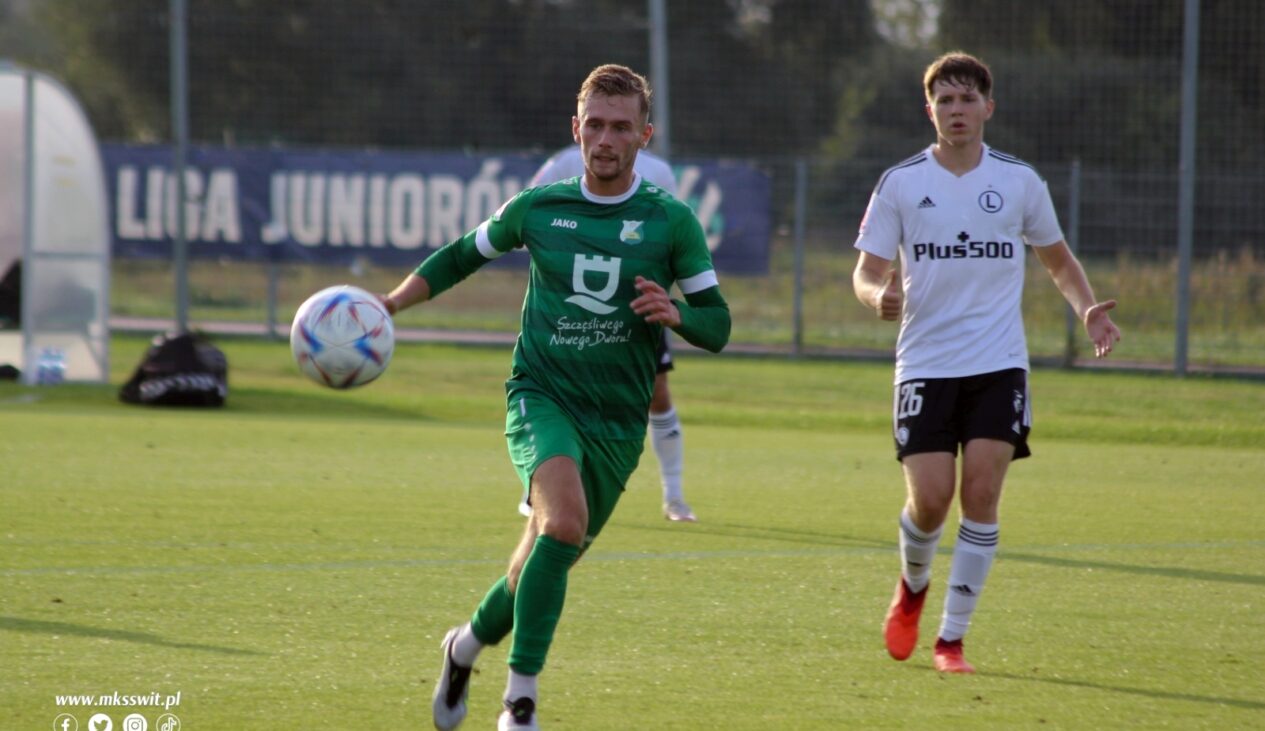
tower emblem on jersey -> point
(590, 299)
(632, 232)
(991, 201)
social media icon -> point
(100, 722)
(167, 722)
(135, 722)
(65, 722)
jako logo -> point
(594, 300)
(564, 223)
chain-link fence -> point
(1088, 92)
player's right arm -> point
(875, 282)
(459, 259)
(412, 290)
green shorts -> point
(537, 429)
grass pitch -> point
(291, 561)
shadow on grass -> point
(1157, 694)
(1170, 572)
(319, 404)
(820, 538)
(768, 533)
(36, 626)
(311, 404)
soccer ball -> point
(342, 337)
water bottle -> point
(50, 367)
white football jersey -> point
(569, 163)
(960, 241)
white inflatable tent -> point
(54, 220)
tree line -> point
(1099, 82)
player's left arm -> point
(703, 318)
(1069, 277)
(704, 315)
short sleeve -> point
(504, 230)
(880, 232)
(1040, 222)
(691, 260)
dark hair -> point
(615, 80)
(959, 68)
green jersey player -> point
(605, 248)
(666, 435)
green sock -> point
(542, 589)
(495, 616)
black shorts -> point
(663, 355)
(942, 414)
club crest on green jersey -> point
(632, 232)
(595, 300)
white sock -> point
(466, 647)
(669, 447)
(917, 549)
(972, 558)
(520, 686)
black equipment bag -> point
(179, 369)
(11, 297)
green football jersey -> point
(580, 341)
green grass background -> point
(292, 560)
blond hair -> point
(615, 80)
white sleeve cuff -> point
(484, 244)
(698, 282)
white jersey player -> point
(959, 215)
(961, 242)
(665, 427)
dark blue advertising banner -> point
(393, 208)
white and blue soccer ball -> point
(342, 337)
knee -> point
(981, 497)
(981, 505)
(566, 528)
(929, 510)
